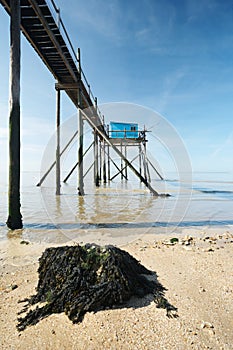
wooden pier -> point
(41, 24)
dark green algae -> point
(79, 279)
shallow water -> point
(118, 212)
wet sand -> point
(196, 271)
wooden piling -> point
(144, 161)
(14, 220)
(80, 134)
(140, 160)
(109, 164)
(104, 164)
(126, 170)
(100, 160)
(96, 152)
(80, 154)
(121, 149)
(58, 167)
(96, 160)
(108, 156)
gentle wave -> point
(128, 225)
(216, 192)
(126, 206)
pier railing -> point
(55, 11)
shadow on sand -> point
(79, 279)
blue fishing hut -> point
(120, 130)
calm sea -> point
(118, 212)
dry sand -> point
(197, 273)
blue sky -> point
(174, 57)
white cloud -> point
(102, 16)
(168, 87)
(224, 149)
(197, 9)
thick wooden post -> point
(58, 167)
(104, 164)
(126, 170)
(96, 160)
(96, 154)
(14, 220)
(108, 155)
(140, 160)
(144, 161)
(109, 170)
(80, 154)
(80, 133)
(121, 162)
(100, 160)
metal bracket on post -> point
(58, 18)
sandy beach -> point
(196, 271)
(152, 176)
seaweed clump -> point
(78, 279)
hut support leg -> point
(14, 220)
(121, 162)
(144, 162)
(160, 176)
(140, 160)
(126, 168)
(109, 172)
(121, 171)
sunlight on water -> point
(119, 211)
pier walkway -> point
(43, 27)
